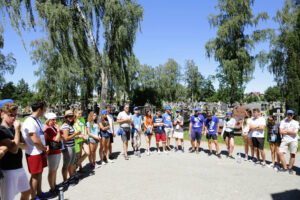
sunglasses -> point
(12, 115)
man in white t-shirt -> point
(111, 130)
(289, 130)
(125, 120)
(33, 134)
(257, 130)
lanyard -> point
(9, 130)
(39, 123)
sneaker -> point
(102, 162)
(166, 152)
(210, 153)
(192, 151)
(253, 160)
(271, 165)
(110, 161)
(148, 153)
(97, 166)
(231, 157)
(182, 150)
(53, 192)
(135, 153)
(168, 148)
(126, 157)
(139, 154)
(65, 185)
(276, 168)
(176, 149)
(291, 171)
(46, 195)
(219, 155)
(263, 164)
(72, 182)
(37, 198)
(158, 151)
(246, 158)
(257, 162)
(283, 170)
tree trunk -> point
(232, 95)
(104, 89)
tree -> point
(207, 89)
(273, 94)
(23, 94)
(8, 91)
(232, 46)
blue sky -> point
(175, 29)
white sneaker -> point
(158, 151)
(276, 168)
(110, 161)
(271, 165)
(246, 158)
(165, 152)
(148, 153)
(103, 163)
(263, 164)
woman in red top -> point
(53, 137)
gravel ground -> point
(178, 176)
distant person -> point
(246, 135)
(105, 137)
(111, 131)
(178, 130)
(94, 138)
(212, 130)
(168, 126)
(33, 134)
(229, 125)
(69, 154)
(257, 129)
(82, 139)
(196, 129)
(14, 178)
(136, 131)
(53, 141)
(148, 130)
(125, 120)
(274, 139)
(289, 130)
(158, 124)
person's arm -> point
(287, 132)
(3, 150)
(37, 142)
(203, 128)
(67, 137)
(218, 128)
(190, 128)
(22, 144)
(181, 123)
(104, 128)
(243, 124)
(58, 136)
(10, 145)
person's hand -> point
(217, 134)
(85, 137)
(78, 133)
(99, 137)
(47, 150)
(17, 125)
(56, 127)
(80, 136)
(114, 135)
(190, 133)
(202, 132)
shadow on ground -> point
(287, 195)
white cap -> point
(50, 116)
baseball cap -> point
(178, 110)
(168, 108)
(4, 101)
(103, 112)
(290, 112)
(228, 113)
(136, 108)
(197, 109)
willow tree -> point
(74, 26)
(232, 46)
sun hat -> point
(50, 116)
(69, 113)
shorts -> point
(111, 138)
(160, 137)
(211, 136)
(178, 134)
(168, 132)
(126, 134)
(36, 163)
(258, 143)
(93, 141)
(196, 135)
(293, 145)
(136, 140)
(69, 157)
(14, 182)
(228, 134)
(105, 135)
(84, 142)
(53, 161)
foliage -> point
(274, 94)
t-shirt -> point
(229, 122)
(148, 123)
(50, 134)
(258, 122)
(197, 122)
(247, 125)
(123, 116)
(167, 119)
(79, 126)
(70, 143)
(111, 123)
(212, 125)
(137, 123)
(10, 161)
(289, 126)
(158, 129)
(274, 129)
(31, 125)
(94, 129)
(178, 127)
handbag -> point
(120, 131)
(55, 145)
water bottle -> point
(239, 159)
(61, 193)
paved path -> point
(182, 176)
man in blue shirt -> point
(168, 126)
(158, 126)
(136, 131)
(196, 129)
(212, 129)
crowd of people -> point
(78, 139)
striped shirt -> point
(70, 143)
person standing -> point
(257, 129)
(212, 130)
(33, 134)
(168, 126)
(125, 120)
(246, 135)
(289, 130)
(274, 139)
(53, 141)
(148, 129)
(178, 131)
(105, 137)
(14, 176)
(196, 129)
(111, 131)
(228, 133)
(136, 131)
(69, 153)
(94, 138)
(158, 125)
